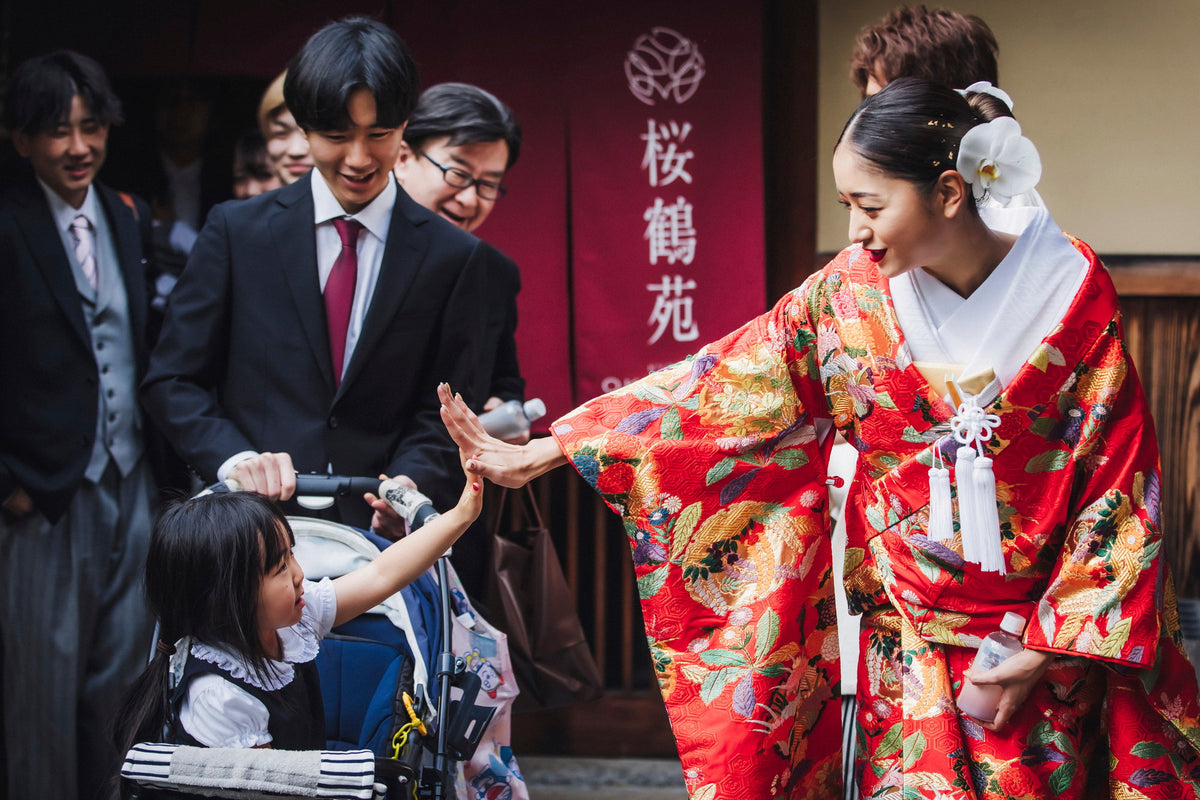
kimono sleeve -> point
(749, 399)
(715, 468)
(1105, 591)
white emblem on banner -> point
(673, 308)
(663, 158)
(664, 65)
(669, 231)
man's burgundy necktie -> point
(339, 292)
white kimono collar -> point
(1004, 320)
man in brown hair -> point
(940, 45)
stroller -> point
(388, 735)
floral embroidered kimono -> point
(715, 466)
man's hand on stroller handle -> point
(387, 520)
(269, 474)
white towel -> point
(254, 773)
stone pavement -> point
(567, 778)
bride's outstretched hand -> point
(504, 464)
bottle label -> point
(988, 659)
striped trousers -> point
(849, 707)
(75, 634)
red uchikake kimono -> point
(716, 468)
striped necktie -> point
(85, 248)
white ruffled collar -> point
(300, 645)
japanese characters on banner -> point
(666, 190)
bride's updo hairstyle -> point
(912, 128)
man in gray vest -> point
(75, 486)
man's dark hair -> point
(465, 113)
(41, 89)
(939, 45)
(345, 56)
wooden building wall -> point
(1160, 300)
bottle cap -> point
(534, 409)
(1013, 623)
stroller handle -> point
(336, 485)
(408, 503)
(312, 485)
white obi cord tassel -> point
(978, 517)
(941, 514)
(987, 517)
(964, 469)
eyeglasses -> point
(461, 179)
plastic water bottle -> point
(982, 702)
(510, 420)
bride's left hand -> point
(1016, 676)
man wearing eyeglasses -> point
(459, 143)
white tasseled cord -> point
(964, 468)
(941, 513)
(987, 516)
(978, 517)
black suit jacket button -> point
(333, 422)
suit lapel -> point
(49, 253)
(403, 256)
(295, 244)
(127, 241)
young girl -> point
(240, 626)
(716, 466)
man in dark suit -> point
(276, 354)
(74, 481)
(459, 144)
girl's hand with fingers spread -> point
(505, 464)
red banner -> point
(635, 211)
(665, 186)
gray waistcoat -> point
(106, 312)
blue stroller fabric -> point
(363, 661)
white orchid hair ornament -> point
(995, 158)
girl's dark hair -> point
(41, 89)
(207, 559)
(465, 113)
(341, 58)
(911, 129)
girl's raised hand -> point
(470, 502)
(484, 456)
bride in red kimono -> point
(952, 340)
